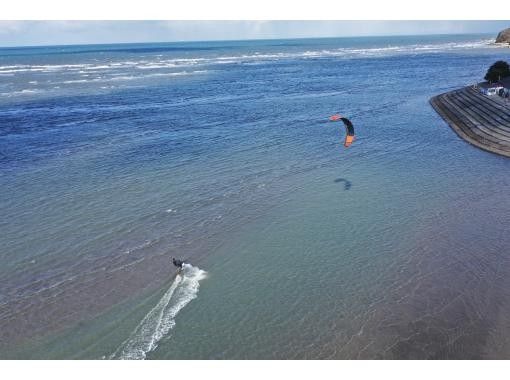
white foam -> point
(76, 81)
(161, 318)
(21, 92)
(156, 66)
(175, 74)
(12, 66)
(125, 77)
(97, 67)
(18, 70)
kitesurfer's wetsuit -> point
(178, 263)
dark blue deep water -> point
(114, 158)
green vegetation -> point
(497, 71)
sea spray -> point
(161, 318)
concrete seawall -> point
(480, 120)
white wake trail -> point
(161, 319)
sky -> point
(32, 33)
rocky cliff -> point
(503, 36)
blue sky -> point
(23, 33)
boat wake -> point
(161, 319)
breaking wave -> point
(162, 63)
(25, 79)
(161, 319)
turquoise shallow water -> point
(222, 154)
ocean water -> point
(114, 158)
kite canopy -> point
(349, 129)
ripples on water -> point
(116, 159)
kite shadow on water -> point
(347, 183)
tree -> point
(497, 71)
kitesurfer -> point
(178, 263)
